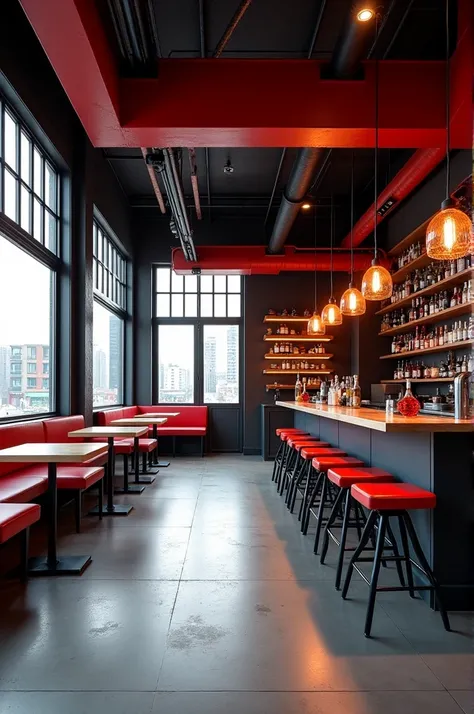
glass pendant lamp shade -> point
(331, 314)
(377, 282)
(315, 325)
(449, 233)
(352, 302)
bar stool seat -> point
(302, 440)
(285, 435)
(326, 462)
(345, 477)
(289, 429)
(310, 452)
(300, 445)
(392, 496)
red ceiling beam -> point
(238, 102)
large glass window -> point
(30, 183)
(221, 363)
(196, 295)
(109, 314)
(26, 328)
(176, 364)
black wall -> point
(31, 86)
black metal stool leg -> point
(277, 460)
(375, 573)
(322, 505)
(331, 520)
(406, 553)
(342, 547)
(307, 470)
(425, 565)
(396, 552)
(309, 503)
(366, 534)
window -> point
(45, 352)
(109, 269)
(197, 337)
(221, 364)
(30, 181)
(27, 287)
(45, 383)
(45, 367)
(176, 364)
(107, 356)
(196, 295)
(31, 352)
(31, 382)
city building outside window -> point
(109, 274)
(197, 337)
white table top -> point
(52, 453)
(108, 431)
(157, 414)
(137, 420)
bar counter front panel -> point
(417, 453)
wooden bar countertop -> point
(377, 419)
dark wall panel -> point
(225, 428)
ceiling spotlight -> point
(228, 168)
(365, 14)
(306, 206)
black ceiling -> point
(414, 29)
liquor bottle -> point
(452, 302)
(459, 332)
(464, 367)
(356, 393)
(305, 395)
(349, 391)
(298, 389)
(470, 329)
(408, 405)
(465, 294)
(464, 330)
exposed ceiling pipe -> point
(402, 185)
(136, 36)
(154, 181)
(253, 260)
(229, 30)
(194, 182)
(350, 50)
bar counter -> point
(432, 452)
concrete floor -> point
(207, 600)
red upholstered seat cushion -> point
(309, 452)
(144, 445)
(31, 432)
(106, 417)
(182, 431)
(121, 446)
(344, 478)
(392, 496)
(300, 445)
(21, 486)
(129, 412)
(289, 429)
(56, 430)
(78, 477)
(323, 463)
(15, 517)
(189, 416)
(285, 435)
(300, 439)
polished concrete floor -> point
(207, 600)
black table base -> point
(161, 464)
(134, 488)
(66, 565)
(118, 509)
(147, 480)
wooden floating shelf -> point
(296, 338)
(290, 386)
(285, 318)
(447, 314)
(421, 262)
(417, 381)
(442, 348)
(453, 280)
(418, 234)
(297, 371)
(291, 356)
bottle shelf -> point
(425, 380)
(416, 235)
(452, 281)
(291, 356)
(285, 318)
(297, 338)
(442, 348)
(422, 261)
(291, 386)
(451, 312)
(297, 371)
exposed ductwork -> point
(254, 260)
(402, 185)
(351, 48)
(136, 36)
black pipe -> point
(351, 47)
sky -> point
(176, 345)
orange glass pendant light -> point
(315, 325)
(377, 282)
(331, 314)
(448, 235)
(352, 301)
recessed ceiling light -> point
(365, 14)
(306, 206)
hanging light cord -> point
(448, 112)
(315, 263)
(352, 219)
(376, 182)
(332, 240)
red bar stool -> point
(294, 462)
(311, 479)
(343, 479)
(385, 501)
(283, 433)
(321, 464)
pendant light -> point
(331, 314)
(448, 234)
(315, 324)
(377, 281)
(352, 300)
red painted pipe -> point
(254, 260)
(402, 185)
